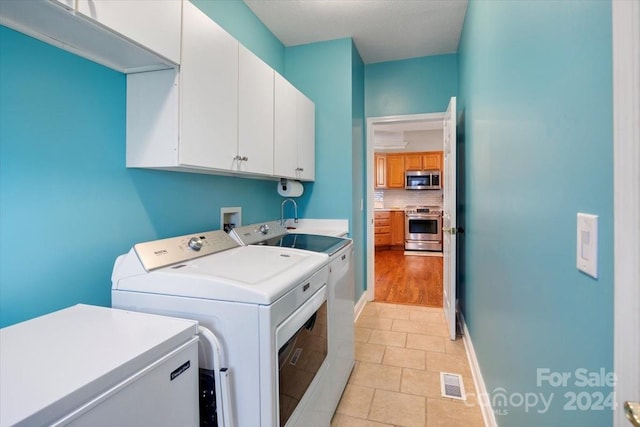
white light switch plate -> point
(587, 244)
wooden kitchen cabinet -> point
(380, 178)
(395, 171)
(424, 160)
(382, 228)
(413, 161)
(389, 229)
(397, 229)
(432, 160)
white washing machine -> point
(341, 296)
(263, 309)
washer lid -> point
(249, 274)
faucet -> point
(295, 210)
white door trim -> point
(369, 172)
(626, 201)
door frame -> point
(369, 169)
(626, 202)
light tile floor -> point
(400, 351)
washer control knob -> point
(264, 229)
(195, 243)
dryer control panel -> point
(164, 252)
(257, 233)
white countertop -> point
(326, 227)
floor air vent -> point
(451, 385)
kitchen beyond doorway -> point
(401, 279)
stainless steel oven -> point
(423, 228)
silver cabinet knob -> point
(195, 243)
(264, 229)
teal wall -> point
(410, 86)
(535, 92)
(322, 71)
(330, 74)
(68, 206)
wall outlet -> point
(587, 244)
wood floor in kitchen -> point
(400, 351)
(408, 279)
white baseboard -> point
(483, 397)
(357, 310)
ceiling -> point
(383, 30)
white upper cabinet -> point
(306, 138)
(155, 25)
(127, 36)
(285, 160)
(187, 119)
(255, 115)
(208, 93)
(294, 133)
(216, 113)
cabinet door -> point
(306, 138)
(397, 228)
(432, 160)
(380, 178)
(413, 161)
(208, 93)
(255, 114)
(382, 228)
(285, 145)
(395, 170)
(155, 25)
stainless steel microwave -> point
(422, 180)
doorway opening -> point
(405, 277)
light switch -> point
(587, 244)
